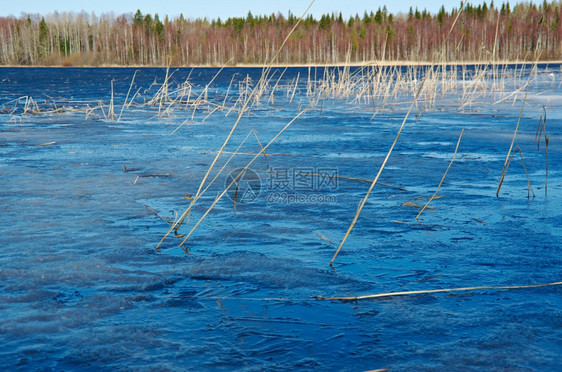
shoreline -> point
(311, 65)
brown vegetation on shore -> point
(485, 33)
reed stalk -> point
(270, 101)
(442, 178)
(228, 90)
(295, 88)
(529, 187)
(111, 109)
(414, 102)
(127, 96)
(178, 223)
(219, 197)
(546, 142)
(362, 204)
(507, 161)
(541, 128)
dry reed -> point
(127, 96)
(541, 128)
(194, 198)
(509, 155)
(111, 109)
(229, 136)
(235, 179)
(414, 102)
(362, 204)
(442, 178)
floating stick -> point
(47, 143)
(385, 295)
(324, 237)
(409, 293)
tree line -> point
(470, 32)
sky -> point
(213, 9)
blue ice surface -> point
(83, 288)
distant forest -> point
(482, 33)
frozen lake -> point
(97, 164)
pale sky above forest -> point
(212, 9)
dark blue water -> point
(83, 288)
